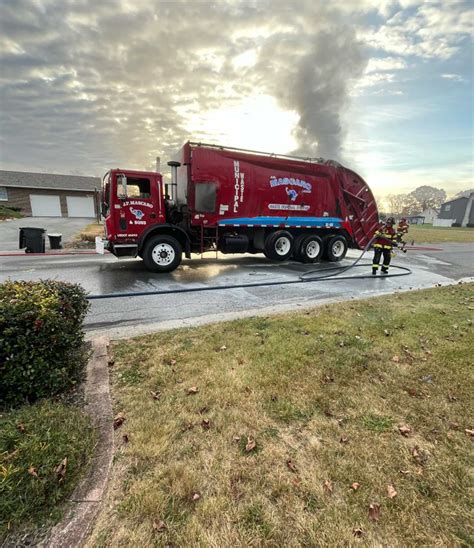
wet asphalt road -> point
(136, 315)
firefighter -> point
(402, 229)
(385, 239)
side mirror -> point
(122, 186)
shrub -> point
(34, 441)
(456, 225)
(42, 348)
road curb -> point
(84, 503)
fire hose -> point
(303, 278)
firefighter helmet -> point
(390, 221)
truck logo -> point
(292, 194)
(138, 213)
(290, 181)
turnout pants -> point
(387, 255)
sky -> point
(382, 86)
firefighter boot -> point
(384, 270)
(374, 271)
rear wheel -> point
(162, 254)
(311, 249)
(279, 245)
(336, 248)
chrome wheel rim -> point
(163, 254)
(282, 246)
(337, 248)
(312, 249)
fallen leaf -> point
(419, 456)
(291, 465)
(196, 496)
(404, 472)
(119, 420)
(327, 486)
(391, 492)
(469, 431)
(206, 424)
(61, 469)
(155, 395)
(193, 390)
(236, 439)
(21, 427)
(251, 444)
(404, 430)
(355, 486)
(357, 532)
(386, 332)
(111, 362)
(396, 359)
(344, 439)
(173, 362)
(33, 471)
(452, 397)
(223, 347)
(327, 379)
(125, 438)
(454, 425)
(159, 525)
(374, 511)
(203, 410)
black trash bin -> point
(33, 239)
(55, 241)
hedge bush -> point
(42, 348)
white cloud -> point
(454, 77)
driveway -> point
(66, 226)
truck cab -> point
(136, 210)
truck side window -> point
(138, 187)
(206, 197)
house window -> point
(3, 194)
(447, 207)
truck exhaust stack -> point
(174, 180)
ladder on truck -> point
(209, 239)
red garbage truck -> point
(233, 200)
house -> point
(49, 195)
(459, 211)
(415, 219)
(429, 214)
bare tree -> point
(400, 204)
(428, 196)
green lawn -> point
(44, 449)
(350, 423)
(439, 234)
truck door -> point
(138, 203)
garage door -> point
(45, 206)
(80, 206)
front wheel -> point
(336, 248)
(162, 254)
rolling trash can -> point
(32, 239)
(55, 241)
